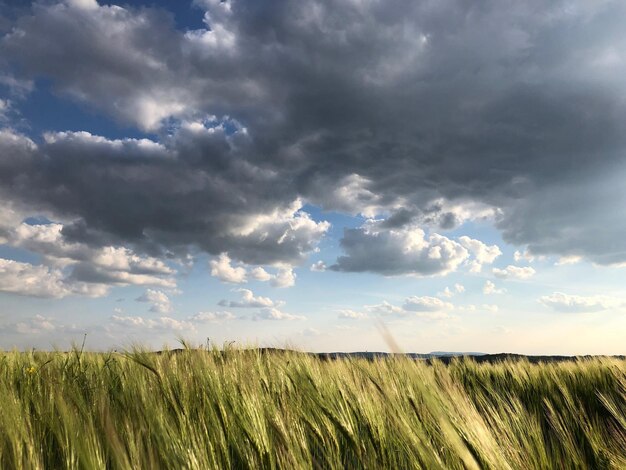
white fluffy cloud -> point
(73, 268)
(523, 256)
(490, 288)
(27, 279)
(514, 272)
(352, 195)
(318, 266)
(567, 260)
(561, 302)
(425, 307)
(271, 313)
(425, 304)
(286, 230)
(41, 281)
(407, 250)
(260, 274)
(161, 323)
(385, 308)
(249, 300)
(160, 302)
(448, 293)
(222, 269)
(170, 324)
(351, 314)
(209, 317)
(285, 277)
(83, 4)
(483, 253)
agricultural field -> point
(236, 408)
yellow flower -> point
(31, 370)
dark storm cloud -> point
(192, 190)
(515, 105)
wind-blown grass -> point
(247, 409)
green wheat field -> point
(237, 408)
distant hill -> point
(443, 356)
(453, 353)
(446, 357)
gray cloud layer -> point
(511, 105)
(179, 193)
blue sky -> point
(299, 175)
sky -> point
(313, 174)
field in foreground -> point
(247, 409)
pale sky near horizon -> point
(291, 173)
